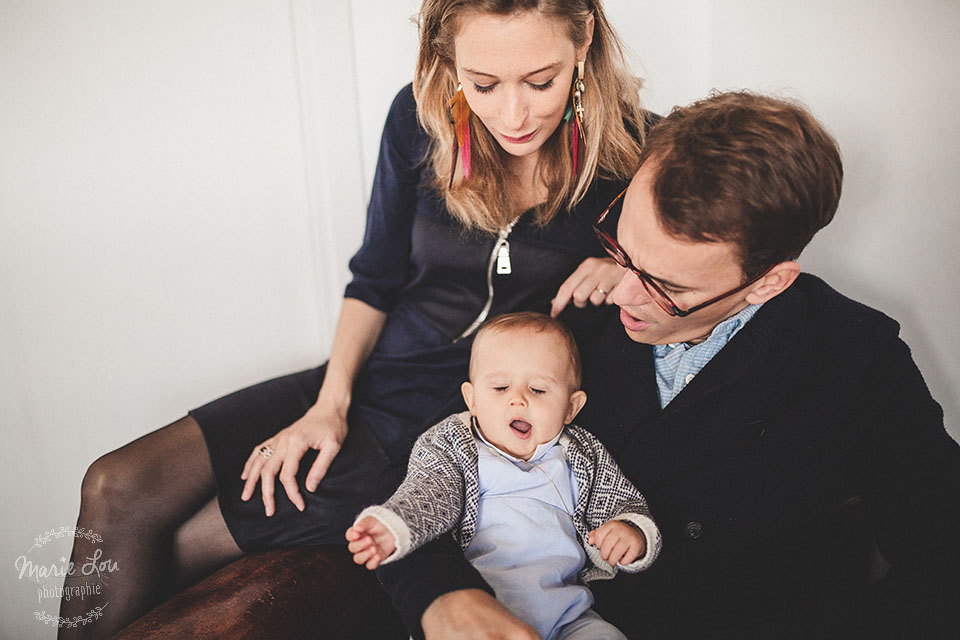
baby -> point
(539, 508)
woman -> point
(522, 121)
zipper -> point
(499, 257)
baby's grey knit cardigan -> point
(441, 491)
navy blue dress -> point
(433, 278)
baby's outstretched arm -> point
(370, 542)
(619, 543)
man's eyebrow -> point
(668, 283)
(660, 281)
(532, 73)
(663, 281)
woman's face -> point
(516, 71)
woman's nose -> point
(513, 113)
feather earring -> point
(460, 117)
(577, 126)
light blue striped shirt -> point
(678, 363)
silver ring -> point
(600, 289)
(266, 451)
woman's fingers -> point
(320, 466)
(567, 290)
(266, 490)
(598, 296)
(591, 283)
(263, 469)
(248, 465)
(284, 453)
(288, 477)
(251, 473)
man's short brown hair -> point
(738, 167)
(538, 323)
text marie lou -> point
(93, 566)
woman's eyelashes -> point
(487, 88)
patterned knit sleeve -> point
(614, 497)
(429, 502)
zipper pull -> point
(503, 259)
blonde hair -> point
(613, 118)
(537, 323)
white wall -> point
(162, 177)
(181, 185)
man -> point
(777, 428)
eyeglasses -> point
(653, 289)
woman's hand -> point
(472, 614)
(320, 429)
(324, 426)
(592, 282)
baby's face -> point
(522, 389)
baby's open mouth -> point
(521, 427)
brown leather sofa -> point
(301, 593)
(314, 593)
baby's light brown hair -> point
(538, 323)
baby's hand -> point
(619, 542)
(370, 542)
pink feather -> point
(465, 153)
(576, 144)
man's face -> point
(690, 272)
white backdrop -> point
(182, 183)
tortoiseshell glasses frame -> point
(653, 289)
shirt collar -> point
(721, 333)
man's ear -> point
(467, 390)
(577, 399)
(777, 280)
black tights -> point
(153, 503)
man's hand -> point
(618, 542)
(472, 614)
(370, 542)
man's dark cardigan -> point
(809, 431)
